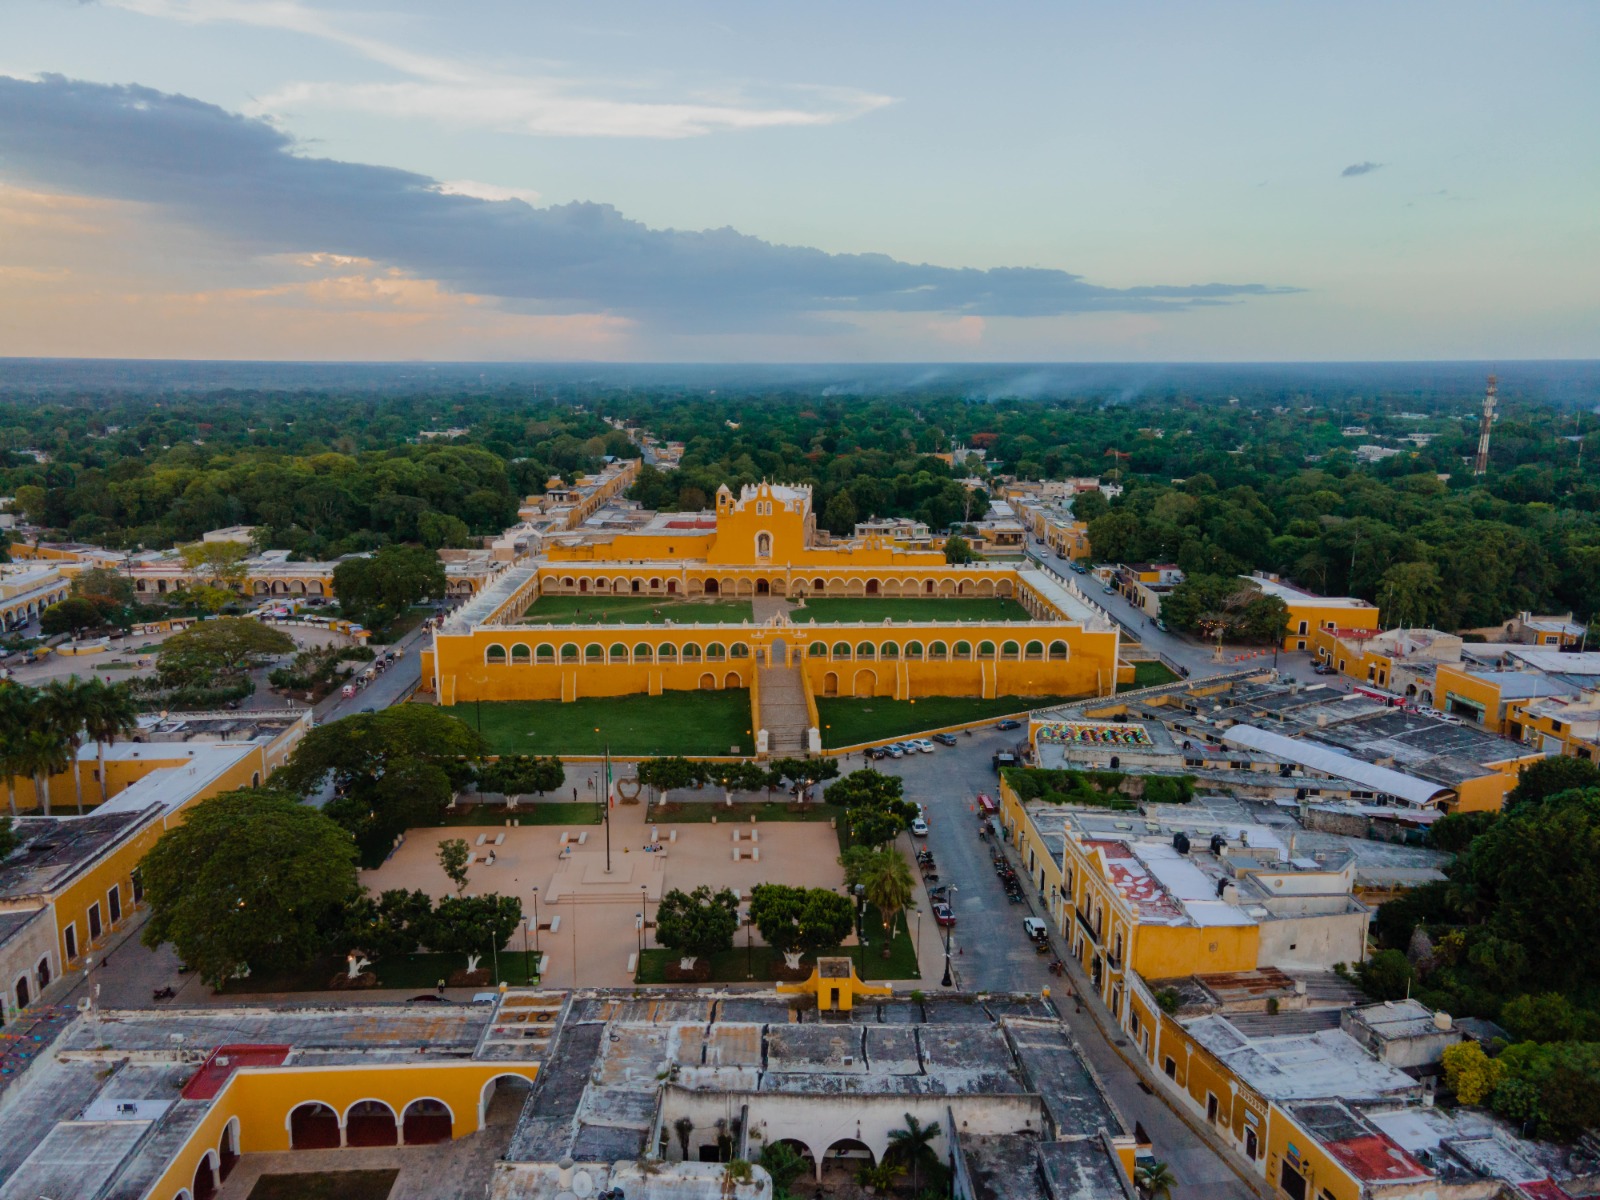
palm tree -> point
(62, 708)
(913, 1146)
(886, 882)
(1155, 1180)
(14, 714)
(109, 714)
(42, 753)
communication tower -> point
(1482, 465)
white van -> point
(1034, 928)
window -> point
(643, 653)
(1212, 1107)
(1291, 1183)
(138, 886)
(70, 934)
(495, 656)
(1170, 1066)
(1302, 628)
(94, 921)
(114, 902)
(1252, 1147)
(521, 653)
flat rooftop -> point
(53, 850)
(1299, 1066)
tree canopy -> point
(798, 921)
(699, 923)
(221, 649)
(375, 589)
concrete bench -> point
(583, 838)
(672, 835)
(738, 834)
(565, 837)
(755, 854)
(633, 963)
(555, 923)
(499, 839)
(755, 835)
(482, 838)
(736, 854)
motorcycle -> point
(163, 993)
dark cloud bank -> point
(241, 178)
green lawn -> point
(732, 966)
(544, 812)
(634, 610)
(847, 721)
(861, 608)
(696, 812)
(416, 972)
(1147, 674)
(687, 723)
(326, 1185)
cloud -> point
(485, 191)
(462, 94)
(241, 180)
(1360, 168)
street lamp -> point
(644, 912)
(638, 925)
(527, 975)
(947, 981)
(536, 920)
(749, 961)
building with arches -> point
(763, 546)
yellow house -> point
(1558, 724)
(1309, 612)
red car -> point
(943, 915)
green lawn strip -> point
(848, 721)
(730, 966)
(634, 610)
(418, 972)
(544, 812)
(828, 611)
(326, 1185)
(687, 723)
(1147, 674)
(700, 812)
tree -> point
(104, 588)
(454, 855)
(698, 923)
(375, 589)
(1387, 975)
(885, 880)
(1549, 1017)
(1090, 506)
(252, 879)
(1454, 831)
(669, 774)
(783, 1163)
(876, 811)
(958, 551)
(912, 1147)
(109, 713)
(391, 926)
(1550, 777)
(408, 795)
(70, 616)
(1410, 594)
(8, 838)
(473, 925)
(519, 775)
(62, 707)
(217, 565)
(41, 753)
(801, 774)
(799, 922)
(839, 514)
(1156, 1181)
(1470, 1073)
(223, 649)
(15, 714)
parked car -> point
(923, 745)
(895, 750)
(1109, 590)
(1009, 723)
(874, 753)
(1324, 669)
(1034, 928)
(943, 915)
(919, 828)
(945, 739)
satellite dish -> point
(582, 1185)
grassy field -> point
(832, 611)
(634, 610)
(733, 966)
(1147, 674)
(687, 723)
(849, 722)
(326, 1185)
(544, 812)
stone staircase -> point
(783, 711)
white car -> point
(922, 744)
(919, 827)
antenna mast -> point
(1482, 465)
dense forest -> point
(1214, 482)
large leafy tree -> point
(374, 589)
(800, 922)
(70, 616)
(62, 707)
(698, 923)
(1550, 777)
(877, 812)
(522, 774)
(476, 926)
(885, 880)
(252, 879)
(388, 926)
(209, 652)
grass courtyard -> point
(634, 610)
(826, 611)
(741, 963)
(848, 721)
(1147, 674)
(686, 723)
(326, 1185)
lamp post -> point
(527, 975)
(638, 925)
(947, 981)
(749, 959)
(644, 910)
(536, 920)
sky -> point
(827, 182)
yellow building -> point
(763, 545)
(1309, 612)
(26, 590)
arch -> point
(763, 588)
(594, 652)
(314, 1125)
(513, 1084)
(566, 582)
(1059, 652)
(817, 650)
(891, 587)
(370, 1123)
(778, 653)
(583, 584)
(763, 544)
(691, 652)
(708, 682)
(841, 650)
(1033, 651)
(618, 653)
(494, 655)
(830, 684)
(963, 651)
(914, 650)
(732, 680)
(746, 588)
(1010, 651)
(655, 584)
(716, 652)
(24, 994)
(866, 679)
(182, 1194)
(228, 1147)
(967, 587)
(985, 649)
(545, 653)
(667, 652)
(712, 587)
(889, 650)
(927, 587)
(521, 654)
(1004, 588)
(851, 1148)
(804, 1151)
(834, 585)
(569, 652)
(819, 586)
(866, 650)
(872, 587)
(204, 1186)
(635, 586)
(947, 587)
(672, 587)
(619, 584)
(985, 587)
(644, 652)
(938, 651)
(547, 584)
(739, 650)
(427, 1121)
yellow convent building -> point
(763, 546)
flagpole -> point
(608, 808)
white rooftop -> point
(1328, 761)
(1307, 1066)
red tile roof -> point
(224, 1061)
(1375, 1158)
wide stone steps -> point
(783, 711)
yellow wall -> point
(1351, 658)
(1323, 1173)
(1449, 679)
(1313, 616)
(1545, 727)
(262, 1099)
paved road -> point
(992, 952)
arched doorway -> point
(370, 1123)
(228, 1148)
(804, 1151)
(866, 683)
(843, 1159)
(427, 1121)
(501, 1101)
(583, 584)
(778, 653)
(708, 682)
(733, 680)
(205, 1178)
(763, 588)
(314, 1126)
(23, 995)
(872, 587)
(830, 684)
(712, 587)
(672, 587)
